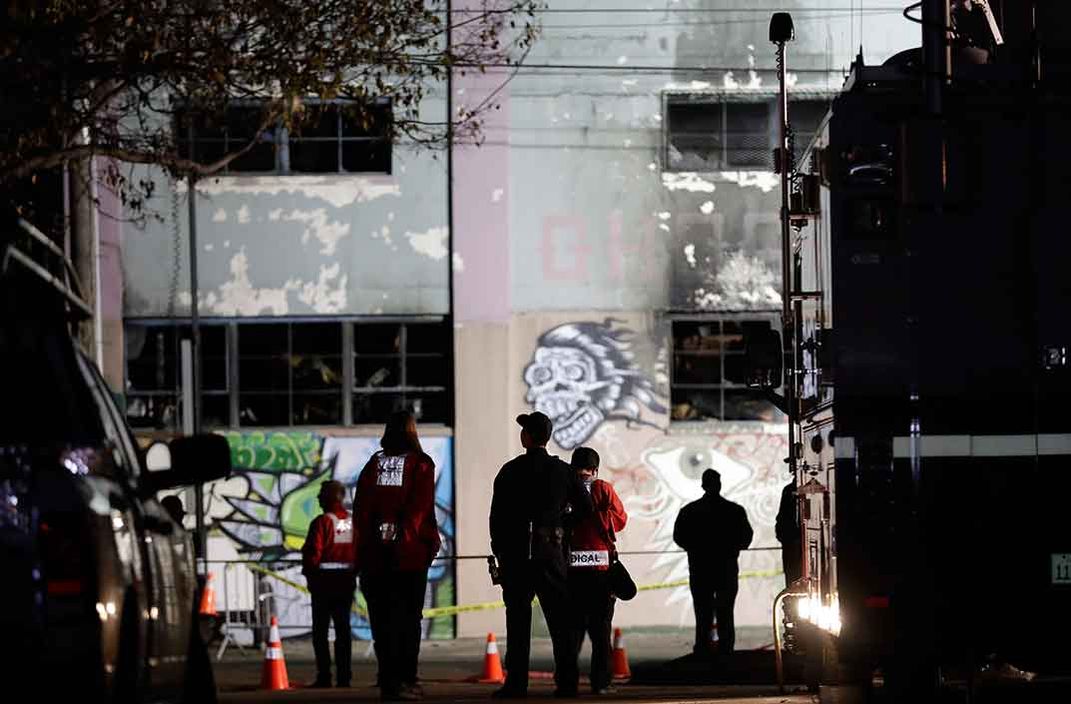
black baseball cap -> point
(537, 425)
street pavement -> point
(448, 668)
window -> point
(279, 374)
(713, 132)
(154, 370)
(332, 139)
(708, 371)
(400, 365)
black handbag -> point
(621, 583)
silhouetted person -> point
(713, 531)
(328, 563)
(527, 525)
(787, 529)
(593, 548)
(398, 538)
(173, 505)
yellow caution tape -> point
(440, 611)
(486, 606)
(300, 587)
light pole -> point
(782, 32)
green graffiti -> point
(442, 627)
(274, 451)
(298, 509)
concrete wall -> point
(332, 244)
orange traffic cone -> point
(621, 670)
(274, 676)
(208, 597)
(492, 664)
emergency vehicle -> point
(925, 360)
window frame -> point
(281, 139)
(348, 391)
(722, 385)
(723, 98)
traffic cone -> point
(274, 676)
(492, 664)
(621, 670)
(208, 597)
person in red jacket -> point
(397, 539)
(328, 563)
(592, 548)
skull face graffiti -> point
(583, 374)
(563, 383)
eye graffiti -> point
(585, 373)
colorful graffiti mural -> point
(272, 501)
(605, 386)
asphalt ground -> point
(448, 669)
(662, 672)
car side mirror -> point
(764, 359)
(187, 461)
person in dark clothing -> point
(713, 531)
(787, 528)
(527, 524)
(593, 547)
(397, 540)
(175, 509)
(328, 563)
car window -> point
(116, 431)
(47, 402)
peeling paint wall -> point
(597, 223)
(297, 245)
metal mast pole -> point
(195, 329)
(782, 32)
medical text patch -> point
(390, 470)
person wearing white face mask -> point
(592, 549)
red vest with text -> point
(330, 553)
(395, 508)
(593, 537)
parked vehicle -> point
(97, 597)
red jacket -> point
(395, 507)
(330, 552)
(594, 536)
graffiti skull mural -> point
(583, 374)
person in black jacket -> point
(527, 521)
(713, 531)
(787, 529)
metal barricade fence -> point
(247, 598)
(250, 592)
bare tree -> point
(121, 78)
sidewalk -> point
(461, 658)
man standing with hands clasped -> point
(528, 512)
(713, 531)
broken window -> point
(154, 375)
(281, 374)
(401, 366)
(707, 132)
(290, 374)
(708, 369)
(334, 137)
